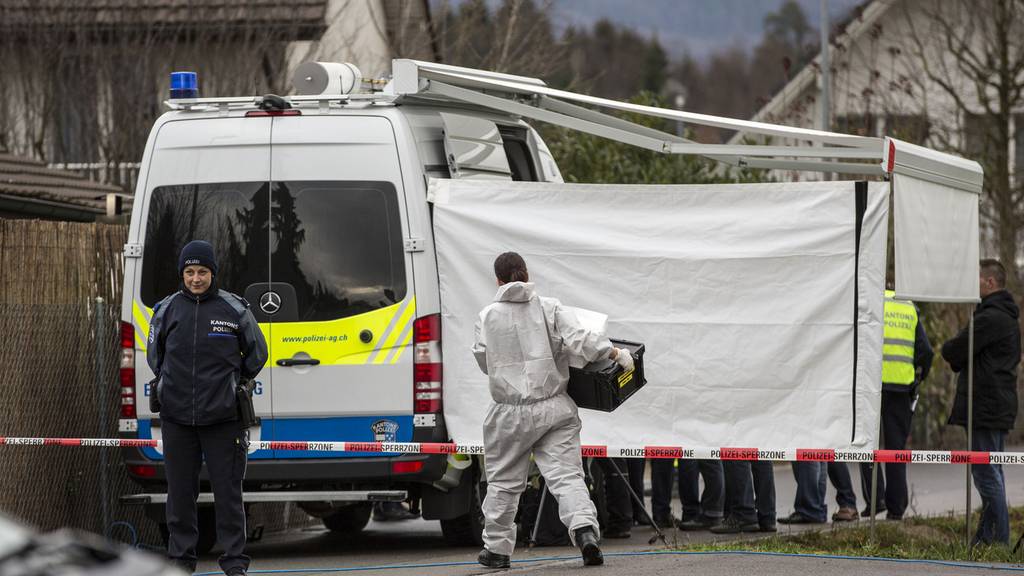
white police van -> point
(316, 206)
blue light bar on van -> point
(184, 85)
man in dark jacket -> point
(996, 355)
(204, 342)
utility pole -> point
(826, 76)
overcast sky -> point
(700, 27)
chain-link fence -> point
(59, 367)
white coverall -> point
(524, 343)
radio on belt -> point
(603, 384)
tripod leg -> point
(639, 501)
(536, 521)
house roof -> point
(862, 21)
(407, 22)
(30, 182)
(297, 18)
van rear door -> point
(208, 179)
(340, 301)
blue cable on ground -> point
(944, 563)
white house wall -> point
(356, 32)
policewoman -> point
(203, 344)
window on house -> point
(913, 128)
(858, 124)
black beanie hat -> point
(197, 252)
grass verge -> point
(933, 538)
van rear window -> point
(232, 216)
(338, 245)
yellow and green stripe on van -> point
(333, 342)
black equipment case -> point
(603, 384)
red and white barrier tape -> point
(787, 455)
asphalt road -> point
(418, 545)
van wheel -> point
(207, 531)
(349, 520)
(467, 530)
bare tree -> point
(517, 38)
(971, 54)
(83, 82)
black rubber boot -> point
(586, 540)
(492, 560)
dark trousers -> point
(711, 502)
(225, 448)
(616, 494)
(994, 524)
(636, 481)
(892, 484)
(750, 491)
(662, 470)
(811, 484)
(839, 475)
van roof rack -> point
(225, 104)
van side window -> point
(231, 216)
(520, 161)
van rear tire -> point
(467, 530)
(349, 520)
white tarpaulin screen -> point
(936, 241)
(744, 296)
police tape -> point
(588, 451)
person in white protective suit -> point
(524, 343)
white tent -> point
(760, 304)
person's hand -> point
(624, 358)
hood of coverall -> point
(514, 292)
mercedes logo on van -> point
(270, 302)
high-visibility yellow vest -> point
(898, 346)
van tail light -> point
(265, 113)
(427, 372)
(144, 470)
(405, 467)
(127, 370)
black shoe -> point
(237, 572)
(492, 560)
(586, 541)
(765, 527)
(798, 518)
(642, 521)
(893, 516)
(392, 511)
(734, 525)
(698, 523)
(865, 513)
(617, 534)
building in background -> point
(81, 82)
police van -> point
(317, 207)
